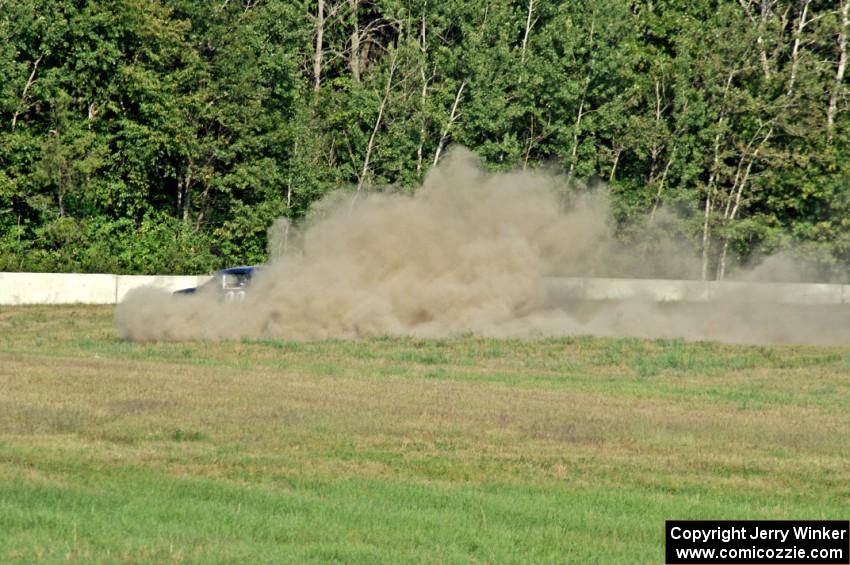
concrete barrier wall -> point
(560, 290)
(50, 288)
(64, 288)
(126, 283)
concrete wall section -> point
(561, 290)
(652, 290)
(67, 288)
(566, 289)
(780, 293)
(49, 288)
(126, 283)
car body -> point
(230, 283)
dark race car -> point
(230, 283)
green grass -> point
(401, 450)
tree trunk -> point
(422, 124)
(381, 109)
(706, 227)
(614, 165)
(27, 86)
(574, 150)
(760, 22)
(183, 195)
(423, 48)
(709, 193)
(319, 51)
(354, 61)
(452, 117)
(795, 51)
(656, 148)
(657, 201)
(202, 205)
(721, 267)
(528, 25)
(529, 144)
(92, 114)
(741, 173)
(839, 73)
(706, 235)
(765, 14)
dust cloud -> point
(468, 252)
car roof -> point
(243, 270)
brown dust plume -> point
(468, 252)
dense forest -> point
(165, 136)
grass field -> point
(464, 450)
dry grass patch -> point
(400, 449)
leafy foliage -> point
(167, 135)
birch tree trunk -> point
(765, 9)
(381, 108)
(574, 150)
(27, 86)
(839, 73)
(528, 25)
(423, 48)
(354, 61)
(184, 196)
(657, 202)
(709, 193)
(712, 178)
(760, 21)
(729, 215)
(452, 117)
(617, 153)
(795, 51)
(319, 50)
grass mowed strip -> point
(401, 450)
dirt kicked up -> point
(468, 252)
